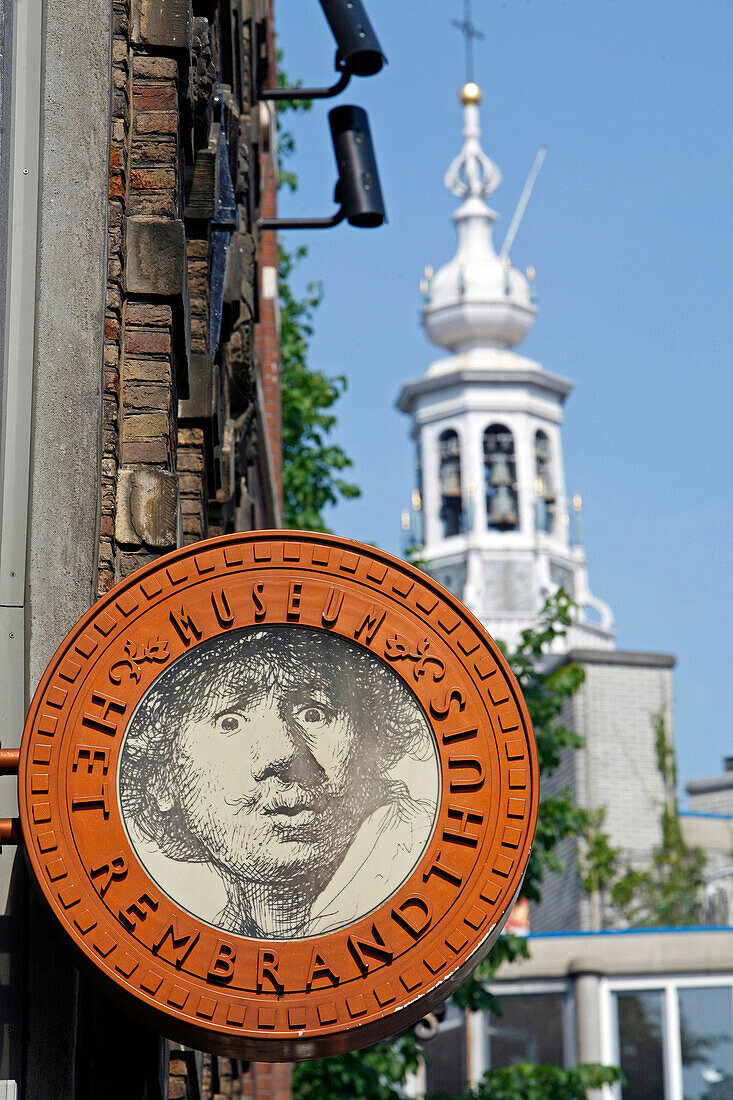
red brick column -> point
(267, 333)
(267, 1081)
(223, 1078)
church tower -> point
(490, 510)
(494, 521)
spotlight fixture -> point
(358, 51)
(358, 192)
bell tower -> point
(490, 510)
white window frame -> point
(671, 1045)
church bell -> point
(500, 472)
(502, 510)
(450, 467)
(450, 479)
(502, 513)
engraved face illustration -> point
(274, 781)
(293, 766)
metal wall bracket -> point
(300, 223)
(276, 94)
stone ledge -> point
(156, 256)
(147, 508)
(163, 23)
(157, 266)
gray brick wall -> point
(712, 801)
(621, 703)
(561, 893)
(614, 711)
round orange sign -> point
(280, 789)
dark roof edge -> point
(715, 783)
(630, 657)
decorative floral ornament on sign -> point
(400, 649)
(154, 650)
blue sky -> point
(629, 229)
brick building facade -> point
(189, 447)
(140, 410)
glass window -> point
(641, 1052)
(500, 472)
(706, 1040)
(451, 493)
(543, 487)
(530, 1030)
(445, 1056)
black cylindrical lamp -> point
(358, 52)
(358, 192)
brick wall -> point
(183, 453)
(195, 1076)
(191, 468)
(614, 711)
(562, 899)
(117, 184)
(268, 329)
(267, 1081)
(621, 705)
(712, 802)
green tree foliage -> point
(312, 465)
(598, 866)
(373, 1074)
(530, 1082)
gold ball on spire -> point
(471, 93)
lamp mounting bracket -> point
(300, 223)
(276, 94)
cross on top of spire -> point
(470, 32)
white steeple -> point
(494, 519)
(476, 300)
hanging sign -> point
(280, 790)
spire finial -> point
(472, 173)
(470, 32)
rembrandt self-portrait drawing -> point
(279, 782)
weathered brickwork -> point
(155, 157)
(208, 1077)
(267, 1081)
(190, 440)
(117, 183)
(192, 483)
(268, 335)
(188, 448)
(197, 255)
